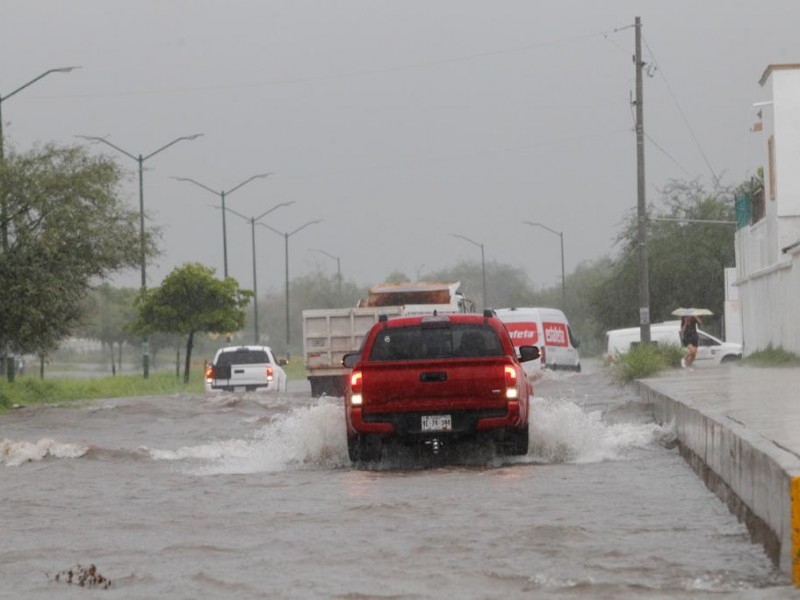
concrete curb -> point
(756, 478)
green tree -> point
(64, 228)
(192, 300)
(688, 249)
(108, 311)
(396, 276)
(506, 285)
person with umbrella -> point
(690, 338)
(690, 319)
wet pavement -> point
(764, 400)
(739, 428)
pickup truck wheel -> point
(363, 449)
(517, 442)
(352, 448)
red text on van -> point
(555, 334)
(523, 334)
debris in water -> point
(84, 577)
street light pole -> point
(140, 160)
(9, 364)
(338, 271)
(286, 236)
(223, 194)
(560, 234)
(2, 150)
(253, 221)
(483, 263)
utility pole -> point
(644, 280)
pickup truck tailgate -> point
(431, 386)
(243, 375)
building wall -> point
(786, 113)
(733, 309)
(768, 303)
(767, 277)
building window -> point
(772, 177)
(758, 206)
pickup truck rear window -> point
(420, 342)
(243, 357)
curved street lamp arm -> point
(542, 226)
(271, 228)
(175, 141)
(304, 226)
(197, 183)
(238, 214)
(94, 138)
(35, 79)
(467, 239)
(259, 176)
(328, 254)
(265, 213)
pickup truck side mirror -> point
(349, 360)
(527, 353)
(282, 362)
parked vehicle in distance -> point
(245, 368)
(710, 351)
(435, 380)
(330, 333)
(546, 328)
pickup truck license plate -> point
(239, 388)
(437, 423)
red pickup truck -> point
(435, 380)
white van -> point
(546, 328)
(710, 350)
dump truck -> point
(330, 333)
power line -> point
(683, 115)
(352, 74)
(625, 51)
(667, 154)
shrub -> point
(773, 357)
(644, 360)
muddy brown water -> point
(252, 496)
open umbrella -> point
(691, 312)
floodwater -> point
(252, 496)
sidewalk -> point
(739, 428)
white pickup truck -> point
(245, 369)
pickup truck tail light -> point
(209, 374)
(270, 373)
(356, 380)
(511, 376)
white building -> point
(768, 239)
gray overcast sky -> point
(396, 122)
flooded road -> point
(251, 496)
